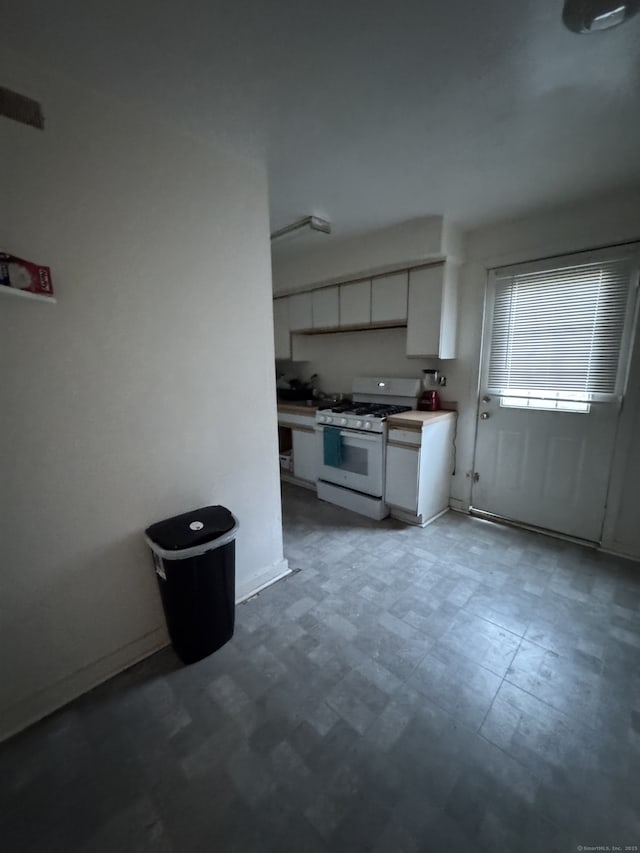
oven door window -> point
(361, 463)
(355, 459)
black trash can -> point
(195, 562)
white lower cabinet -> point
(306, 460)
(403, 470)
(418, 469)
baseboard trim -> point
(44, 702)
(458, 505)
(295, 481)
(416, 520)
(50, 699)
(273, 574)
(625, 555)
(554, 534)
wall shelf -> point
(25, 294)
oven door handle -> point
(355, 435)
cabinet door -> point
(433, 311)
(300, 312)
(326, 308)
(403, 470)
(282, 337)
(389, 298)
(306, 456)
(355, 304)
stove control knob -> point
(359, 424)
(367, 424)
(343, 421)
(328, 420)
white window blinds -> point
(560, 330)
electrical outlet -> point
(442, 381)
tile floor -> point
(463, 687)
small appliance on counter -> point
(429, 400)
(291, 388)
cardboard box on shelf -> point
(285, 461)
(24, 275)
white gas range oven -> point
(352, 438)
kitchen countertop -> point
(418, 420)
(291, 407)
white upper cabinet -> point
(326, 308)
(282, 335)
(355, 304)
(389, 298)
(300, 311)
(433, 311)
(425, 299)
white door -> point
(546, 469)
(555, 351)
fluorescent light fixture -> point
(313, 222)
(591, 16)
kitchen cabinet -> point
(282, 335)
(389, 298)
(325, 309)
(419, 463)
(425, 299)
(305, 455)
(297, 438)
(403, 468)
(300, 312)
(355, 304)
(433, 311)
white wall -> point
(119, 406)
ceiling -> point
(371, 112)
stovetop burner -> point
(372, 410)
(374, 400)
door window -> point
(559, 334)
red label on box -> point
(23, 275)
